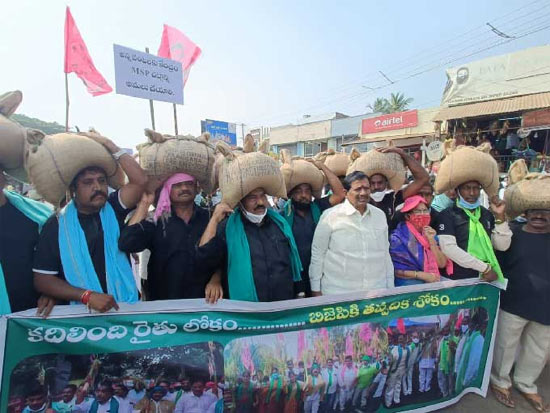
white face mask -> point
(416, 340)
(464, 328)
(254, 218)
(379, 196)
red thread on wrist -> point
(85, 297)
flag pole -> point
(151, 107)
(175, 118)
(66, 102)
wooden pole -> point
(151, 107)
(66, 102)
(175, 119)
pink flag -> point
(349, 345)
(459, 321)
(324, 338)
(301, 343)
(78, 60)
(246, 359)
(401, 325)
(177, 46)
(365, 332)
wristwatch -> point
(118, 154)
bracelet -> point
(118, 154)
(487, 269)
(85, 297)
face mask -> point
(379, 196)
(521, 219)
(462, 202)
(275, 376)
(464, 328)
(254, 218)
(129, 383)
(416, 340)
(420, 221)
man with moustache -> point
(524, 315)
(171, 235)
(255, 248)
(302, 213)
(77, 258)
(350, 250)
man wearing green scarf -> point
(302, 213)
(21, 220)
(255, 248)
(469, 233)
(104, 401)
(445, 359)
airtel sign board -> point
(398, 120)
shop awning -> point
(491, 107)
(400, 140)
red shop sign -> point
(398, 120)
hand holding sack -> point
(12, 137)
(337, 162)
(53, 161)
(373, 162)
(466, 164)
(241, 174)
(166, 155)
(299, 171)
(531, 192)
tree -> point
(49, 128)
(396, 103)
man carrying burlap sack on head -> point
(468, 232)
(77, 258)
(304, 180)
(252, 244)
(524, 316)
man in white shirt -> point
(350, 250)
(399, 357)
(197, 401)
(330, 377)
(104, 401)
(346, 381)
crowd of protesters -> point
(361, 237)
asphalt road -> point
(472, 403)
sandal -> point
(535, 400)
(504, 396)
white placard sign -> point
(435, 151)
(146, 76)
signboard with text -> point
(393, 121)
(146, 76)
(220, 131)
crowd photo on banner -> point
(85, 222)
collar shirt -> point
(326, 373)
(193, 404)
(347, 377)
(350, 251)
(86, 405)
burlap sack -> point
(337, 162)
(373, 162)
(468, 164)
(12, 137)
(532, 192)
(241, 174)
(165, 155)
(517, 171)
(300, 171)
(53, 162)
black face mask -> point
(300, 205)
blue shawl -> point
(77, 263)
(406, 253)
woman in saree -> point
(414, 250)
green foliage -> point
(49, 128)
(396, 103)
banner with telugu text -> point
(149, 340)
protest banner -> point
(149, 340)
(147, 76)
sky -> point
(264, 63)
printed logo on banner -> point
(146, 76)
(393, 121)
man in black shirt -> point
(18, 238)
(89, 194)
(524, 315)
(272, 252)
(171, 236)
(456, 237)
(303, 213)
(387, 200)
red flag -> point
(459, 321)
(401, 325)
(177, 46)
(78, 60)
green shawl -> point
(464, 361)
(479, 243)
(239, 265)
(113, 406)
(289, 212)
(277, 391)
